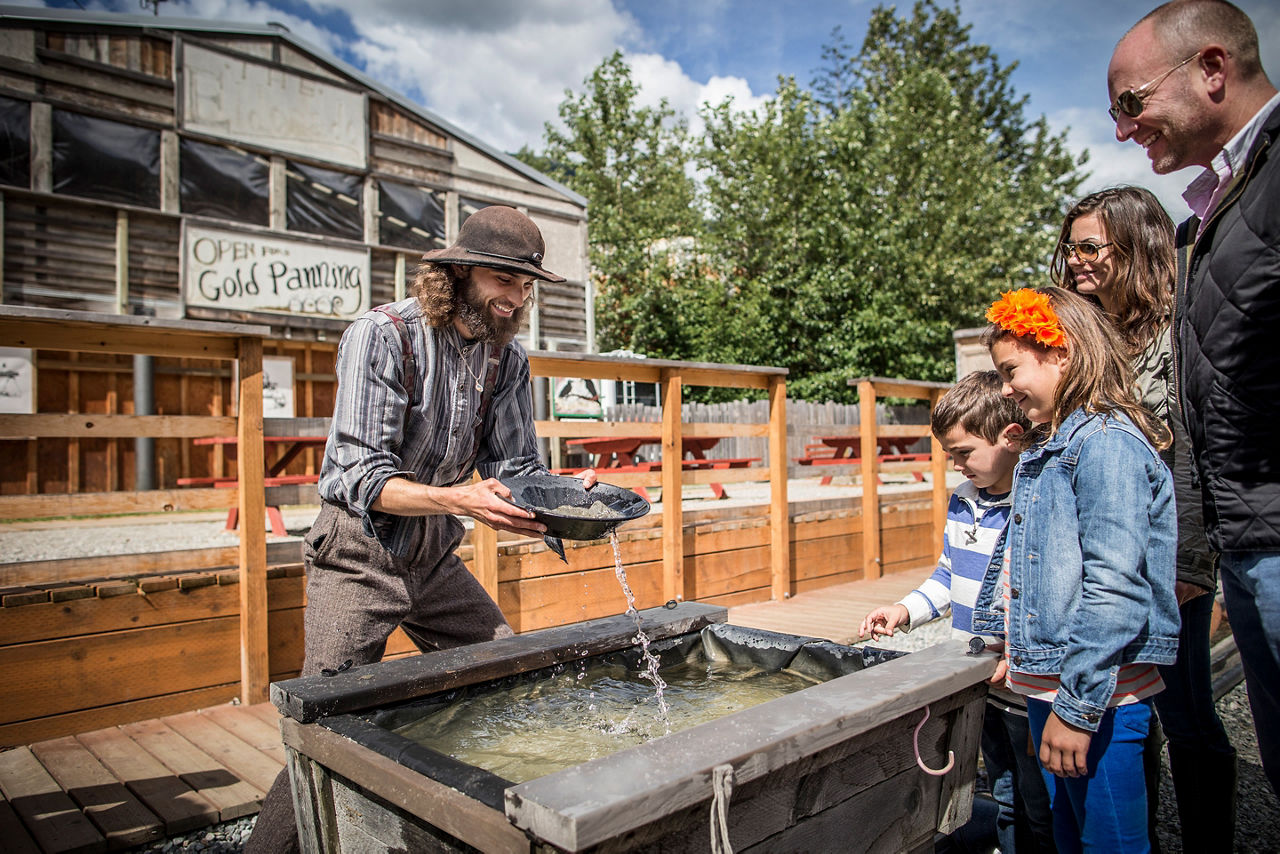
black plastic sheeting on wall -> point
(321, 201)
(410, 216)
(15, 142)
(224, 182)
(102, 159)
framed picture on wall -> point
(277, 387)
(17, 380)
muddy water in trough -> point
(594, 708)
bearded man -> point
(430, 389)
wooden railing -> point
(90, 332)
(871, 389)
(672, 376)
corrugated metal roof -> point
(280, 31)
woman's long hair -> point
(1098, 376)
(1142, 245)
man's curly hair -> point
(436, 288)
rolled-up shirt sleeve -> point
(364, 448)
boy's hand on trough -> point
(882, 621)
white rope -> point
(722, 790)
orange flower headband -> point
(1025, 312)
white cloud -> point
(498, 76)
(660, 78)
(1112, 163)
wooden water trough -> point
(840, 763)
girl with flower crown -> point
(1116, 248)
(1082, 584)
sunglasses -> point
(1132, 101)
(1084, 250)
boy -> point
(979, 428)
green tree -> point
(902, 197)
(629, 161)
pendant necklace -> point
(462, 357)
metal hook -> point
(951, 755)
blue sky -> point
(499, 68)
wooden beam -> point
(702, 430)
(870, 500)
(122, 262)
(97, 425)
(254, 673)
(894, 387)
(92, 332)
(108, 503)
(484, 560)
(779, 518)
(672, 518)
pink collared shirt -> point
(1210, 186)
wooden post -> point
(122, 262)
(484, 553)
(254, 669)
(938, 465)
(779, 515)
(401, 285)
(870, 493)
(672, 497)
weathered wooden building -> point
(196, 169)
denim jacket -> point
(1092, 538)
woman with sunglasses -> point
(1117, 247)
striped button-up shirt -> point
(426, 433)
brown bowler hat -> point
(497, 236)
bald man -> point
(1186, 84)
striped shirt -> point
(1134, 682)
(426, 433)
(975, 519)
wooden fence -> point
(98, 641)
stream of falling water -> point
(650, 662)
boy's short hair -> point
(978, 405)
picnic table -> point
(291, 447)
(847, 450)
(617, 454)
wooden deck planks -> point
(55, 822)
(15, 836)
(113, 809)
(228, 750)
(230, 795)
(252, 729)
(833, 613)
(174, 802)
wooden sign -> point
(239, 271)
(235, 98)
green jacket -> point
(1197, 563)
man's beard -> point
(483, 323)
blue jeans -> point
(1105, 810)
(1024, 823)
(1251, 584)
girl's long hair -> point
(1142, 245)
(1098, 376)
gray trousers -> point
(357, 594)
